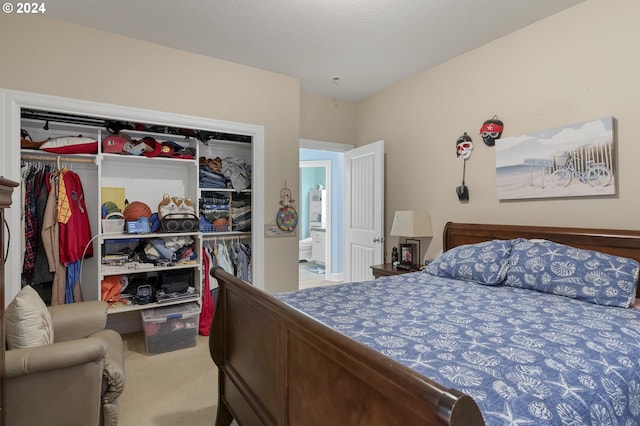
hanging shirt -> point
(206, 314)
(213, 262)
(32, 180)
(42, 272)
(244, 256)
(75, 233)
(50, 240)
(223, 258)
(64, 208)
(71, 293)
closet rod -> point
(62, 118)
(58, 158)
(225, 237)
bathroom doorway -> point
(332, 154)
(315, 227)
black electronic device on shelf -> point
(177, 222)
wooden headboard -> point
(617, 242)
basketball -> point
(135, 210)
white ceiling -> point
(369, 44)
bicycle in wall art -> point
(570, 161)
(594, 174)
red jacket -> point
(75, 233)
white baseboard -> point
(336, 276)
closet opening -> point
(48, 126)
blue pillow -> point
(483, 263)
(568, 271)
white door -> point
(363, 210)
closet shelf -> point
(242, 191)
(107, 270)
(129, 308)
(141, 159)
(114, 126)
(125, 236)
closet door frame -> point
(11, 104)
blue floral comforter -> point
(527, 358)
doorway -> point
(315, 232)
(365, 226)
(329, 158)
(367, 235)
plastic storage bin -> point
(113, 223)
(169, 328)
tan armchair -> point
(76, 380)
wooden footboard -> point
(277, 366)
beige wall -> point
(326, 119)
(50, 57)
(578, 65)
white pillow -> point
(28, 321)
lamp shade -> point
(411, 223)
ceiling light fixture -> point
(336, 79)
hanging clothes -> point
(75, 231)
(50, 240)
(244, 259)
(42, 273)
(208, 308)
(233, 256)
(213, 262)
(75, 228)
(223, 258)
(56, 231)
(33, 178)
(72, 289)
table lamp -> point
(412, 224)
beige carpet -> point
(170, 389)
(175, 388)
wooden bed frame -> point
(277, 366)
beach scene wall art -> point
(571, 161)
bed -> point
(577, 361)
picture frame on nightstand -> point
(408, 253)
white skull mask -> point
(464, 146)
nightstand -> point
(388, 269)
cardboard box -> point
(170, 328)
